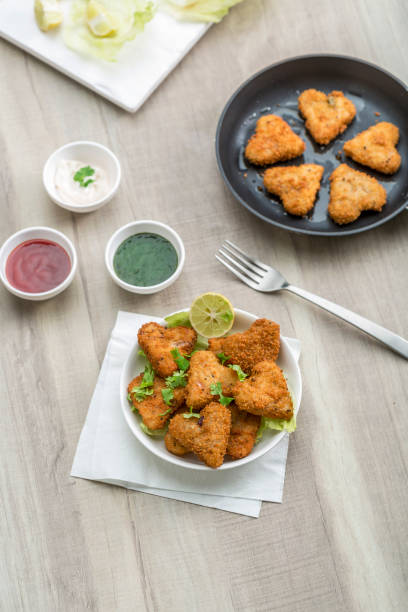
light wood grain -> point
(339, 540)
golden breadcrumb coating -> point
(297, 186)
(326, 116)
(157, 342)
(351, 192)
(273, 141)
(265, 392)
(153, 407)
(244, 427)
(208, 436)
(171, 443)
(206, 370)
(375, 148)
(258, 343)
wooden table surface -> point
(339, 539)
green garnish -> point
(179, 318)
(142, 353)
(188, 415)
(81, 176)
(222, 357)
(129, 397)
(144, 389)
(167, 395)
(216, 389)
(178, 379)
(181, 361)
(166, 412)
(241, 375)
(156, 433)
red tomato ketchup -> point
(37, 265)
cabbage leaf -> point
(277, 425)
(211, 11)
(129, 15)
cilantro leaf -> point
(141, 353)
(167, 395)
(178, 379)
(166, 412)
(129, 397)
(181, 361)
(143, 390)
(188, 415)
(241, 375)
(216, 389)
(222, 357)
(82, 174)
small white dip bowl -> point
(138, 227)
(90, 153)
(41, 233)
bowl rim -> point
(151, 288)
(92, 205)
(50, 292)
(180, 461)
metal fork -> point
(262, 277)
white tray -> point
(142, 65)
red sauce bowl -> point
(37, 263)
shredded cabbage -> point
(130, 17)
(200, 10)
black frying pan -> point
(275, 90)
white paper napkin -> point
(108, 451)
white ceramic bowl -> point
(30, 233)
(91, 153)
(137, 227)
(135, 364)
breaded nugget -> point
(171, 443)
(352, 192)
(208, 436)
(375, 148)
(244, 427)
(205, 370)
(297, 186)
(153, 407)
(265, 392)
(273, 141)
(326, 116)
(258, 343)
(157, 342)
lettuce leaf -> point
(155, 433)
(130, 17)
(277, 425)
(211, 11)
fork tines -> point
(246, 268)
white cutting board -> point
(142, 64)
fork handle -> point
(387, 337)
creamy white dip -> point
(71, 191)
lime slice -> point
(212, 315)
(100, 22)
(47, 14)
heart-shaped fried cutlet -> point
(265, 392)
(206, 436)
(326, 116)
(206, 370)
(158, 342)
(297, 186)
(273, 141)
(351, 192)
(258, 343)
(375, 148)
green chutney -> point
(145, 259)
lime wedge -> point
(100, 22)
(47, 14)
(212, 315)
